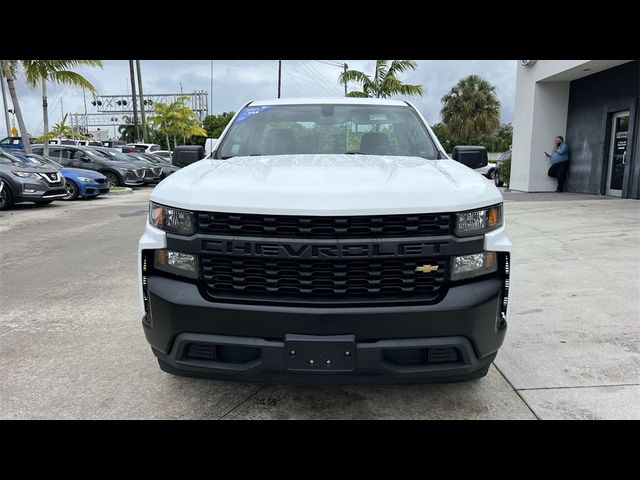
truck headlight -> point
(178, 263)
(479, 221)
(474, 265)
(171, 219)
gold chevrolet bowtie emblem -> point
(426, 268)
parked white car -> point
(148, 147)
(488, 170)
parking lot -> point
(72, 345)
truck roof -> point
(330, 100)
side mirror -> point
(473, 156)
(184, 155)
(84, 158)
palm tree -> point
(127, 132)
(164, 118)
(176, 119)
(9, 67)
(470, 110)
(60, 130)
(385, 82)
(57, 71)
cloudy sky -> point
(237, 81)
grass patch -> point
(117, 189)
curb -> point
(126, 191)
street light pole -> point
(144, 123)
(279, 76)
(133, 100)
(345, 66)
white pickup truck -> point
(326, 240)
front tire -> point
(6, 198)
(114, 179)
(72, 190)
(498, 182)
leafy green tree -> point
(470, 110)
(439, 130)
(385, 82)
(38, 72)
(127, 132)
(501, 140)
(215, 124)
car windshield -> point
(327, 129)
(153, 159)
(42, 161)
(9, 159)
(116, 155)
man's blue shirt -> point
(561, 154)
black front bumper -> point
(392, 344)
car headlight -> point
(171, 219)
(26, 174)
(178, 263)
(85, 179)
(474, 265)
(479, 221)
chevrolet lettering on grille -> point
(321, 250)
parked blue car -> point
(13, 143)
(79, 182)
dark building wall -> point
(592, 100)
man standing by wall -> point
(559, 162)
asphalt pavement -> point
(72, 345)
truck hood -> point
(326, 185)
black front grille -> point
(101, 180)
(325, 227)
(326, 281)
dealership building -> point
(593, 104)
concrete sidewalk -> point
(573, 345)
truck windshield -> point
(327, 129)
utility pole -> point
(136, 133)
(84, 98)
(279, 76)
(345, 66)
(144, 123)
(4, 98)
(211, 102)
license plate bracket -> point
(320, 353)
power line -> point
(330, 63)
(303, 77)
(326, 85)
(316, 81)
(320, 74)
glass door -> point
(617, 153)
